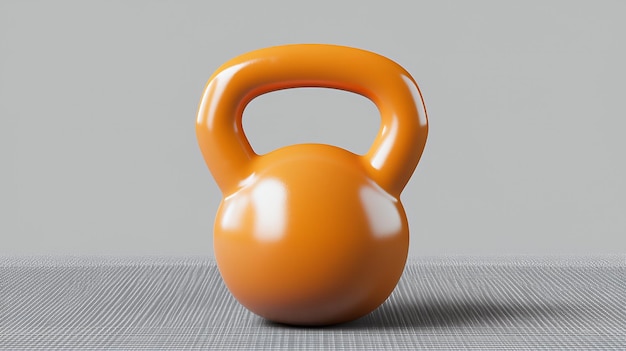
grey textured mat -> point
(529, 303)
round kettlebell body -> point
(311, 234)
(309, 239)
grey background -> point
(525, 99)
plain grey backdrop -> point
(526, 152)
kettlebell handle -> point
(399, 143)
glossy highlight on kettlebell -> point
(311, 234)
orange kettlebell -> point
(311, 234)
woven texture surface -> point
(159, 303)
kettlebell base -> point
(303, 317)
(334, 303)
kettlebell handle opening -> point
(401, 138)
